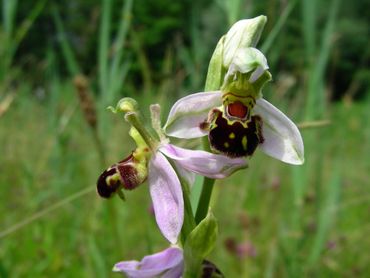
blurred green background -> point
(63, 62)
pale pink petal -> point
(204, 163)
(282, 137)
(166, 192)
(168, 263)
(188, 112)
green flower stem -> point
(215, 75)
(189, 222)
(204, 199)
(205, 195)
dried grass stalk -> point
(5, 103)
(86, 100)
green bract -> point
(199, 244)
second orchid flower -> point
(160, 162)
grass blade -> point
(326, 217)
(67, 51)
(103, 54)
(277, 27)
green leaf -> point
(199, 244)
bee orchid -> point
(233, 114)
(161, 163)
(236, 129)
(168, 263)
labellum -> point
(232, 129)
(122, 175)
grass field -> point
(291, 221)
(275, 220)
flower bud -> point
(210, 270)
(126, 174)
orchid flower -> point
(168, 263)
(267, 127)
(151, 160)
(234, 115)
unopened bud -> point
(126, 174)
(210, 270)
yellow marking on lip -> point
(232, 135)
(244, 142)
(236, 95)
(112, 179)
